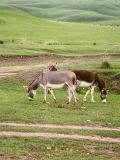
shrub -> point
(94, 43)
(105, 65)
(1, 42)
(53, 42)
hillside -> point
(85, 11)
(26, 34)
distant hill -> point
(80, 11)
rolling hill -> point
(80, 11)
(26, 30)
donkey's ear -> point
(25, 87)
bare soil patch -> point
(27, 60)
(60, 136)
(46, 58)
(55, 126)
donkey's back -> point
(60, 77)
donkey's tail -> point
(74, 80)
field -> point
(51, 149)
(24, 34)
(80, 11)
(76, 35)
(94, 114)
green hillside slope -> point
(88, 11)
(24, 34)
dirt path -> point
(57, 135)
(25, 62)
(60, 136)
(46, 58)
(12, 70)
(55, 126)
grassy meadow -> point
(12, 93)
(15, 107)
(62, 28)
(25, 34)
(79, 11)
(52, 149)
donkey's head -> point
(53, 67)
(31, 90)
(103, 95)
(31, 94)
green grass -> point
(24, 31)
(88, 11)
(52, 149)
(112, 134)
(15, 106)
(24, 34)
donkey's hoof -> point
(68, 103)
(93, 101)
(44, 102)
(75, 103)
(55, 101)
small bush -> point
(105, 65)
(1, 42)
(94, 43)
(53, 42)
(116, 83)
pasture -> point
(34, 35)
(25, 111)
(24, 34)
(52, 149)
(82, 11)
(15, 107)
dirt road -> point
(60, 136)
(27, 63)
(57, 135)
(56, 126)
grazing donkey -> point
(53, 67)
(52, 80)
(89, 80)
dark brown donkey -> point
(89, 80)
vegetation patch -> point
(52, 149)
(105, 65)
(21, 110)
(116, 82)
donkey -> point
(53, 80)
(89, 80)
(53, 67)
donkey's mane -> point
(32, 84)
(100, 82)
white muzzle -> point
(104, 101)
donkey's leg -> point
(45, 94)
(69, 96)
(72, 87)
(52, 93)
(73, 92)
(92, 94)
(86, 94)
